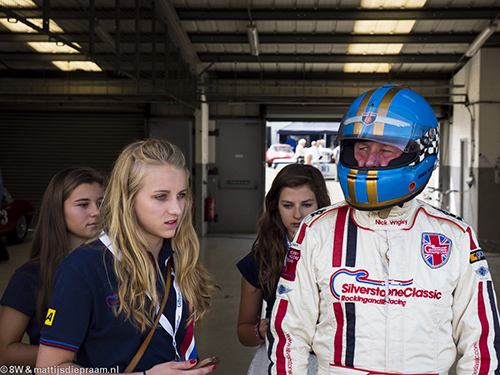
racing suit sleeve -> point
(475, 314)
(295, 311)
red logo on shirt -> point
(292, 258)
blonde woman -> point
(106, 293)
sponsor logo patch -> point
(292, 258)
(50, 317)
(113, 301)
(368, 118)
(476, 256)
(357, 286)
(317, 212)
(435, 249)
(482, 271)
(283, 290)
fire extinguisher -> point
(209, 209)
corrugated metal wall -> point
(36, 145)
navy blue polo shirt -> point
(81, 316)
(249, 269)
(21, 295)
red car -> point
(278, 151)
(15, 216)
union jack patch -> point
(435, 249)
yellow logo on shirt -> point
(50, 317)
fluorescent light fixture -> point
(25, 4)
(480, 40)
(380, 27)
(388, 4)
(19, 27)
(253, 39)
(67, 66)
(383, 27)
(367, 68)
(52, 47)
(375, 49)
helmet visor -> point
(379, 125)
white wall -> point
(478, 123)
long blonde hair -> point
(136, 275)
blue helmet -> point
(397, 116)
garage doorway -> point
(277, 132)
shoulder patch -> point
(482, 271)
(292, 258)
(283, 289)
(49, 319)
(435, 249)
(476, 256)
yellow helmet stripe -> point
(351, 179)
(371, 187)
(378, 128)
(362, 105)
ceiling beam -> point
(247, 58)
(337, 14)
(264, 38)
(178, 34)
(318, 14)
(126, 38)
(328, 58)
(355, 78)
(344, 100)
(78, 13)
(347, 80)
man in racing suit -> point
(383, 283)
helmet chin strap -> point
(384, 213)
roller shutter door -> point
(35, 146)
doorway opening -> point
(281, 149)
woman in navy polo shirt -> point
(296, 191)
(106, 293)
(67, 219)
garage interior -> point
(79, 80)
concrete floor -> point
(216, 334)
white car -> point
(327, 168)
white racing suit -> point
(401, 295)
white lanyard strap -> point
(178, 316)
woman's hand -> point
(263, 327)
(177, 368)
(49, 357)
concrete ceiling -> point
(178, 49)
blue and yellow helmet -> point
(397, 116)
